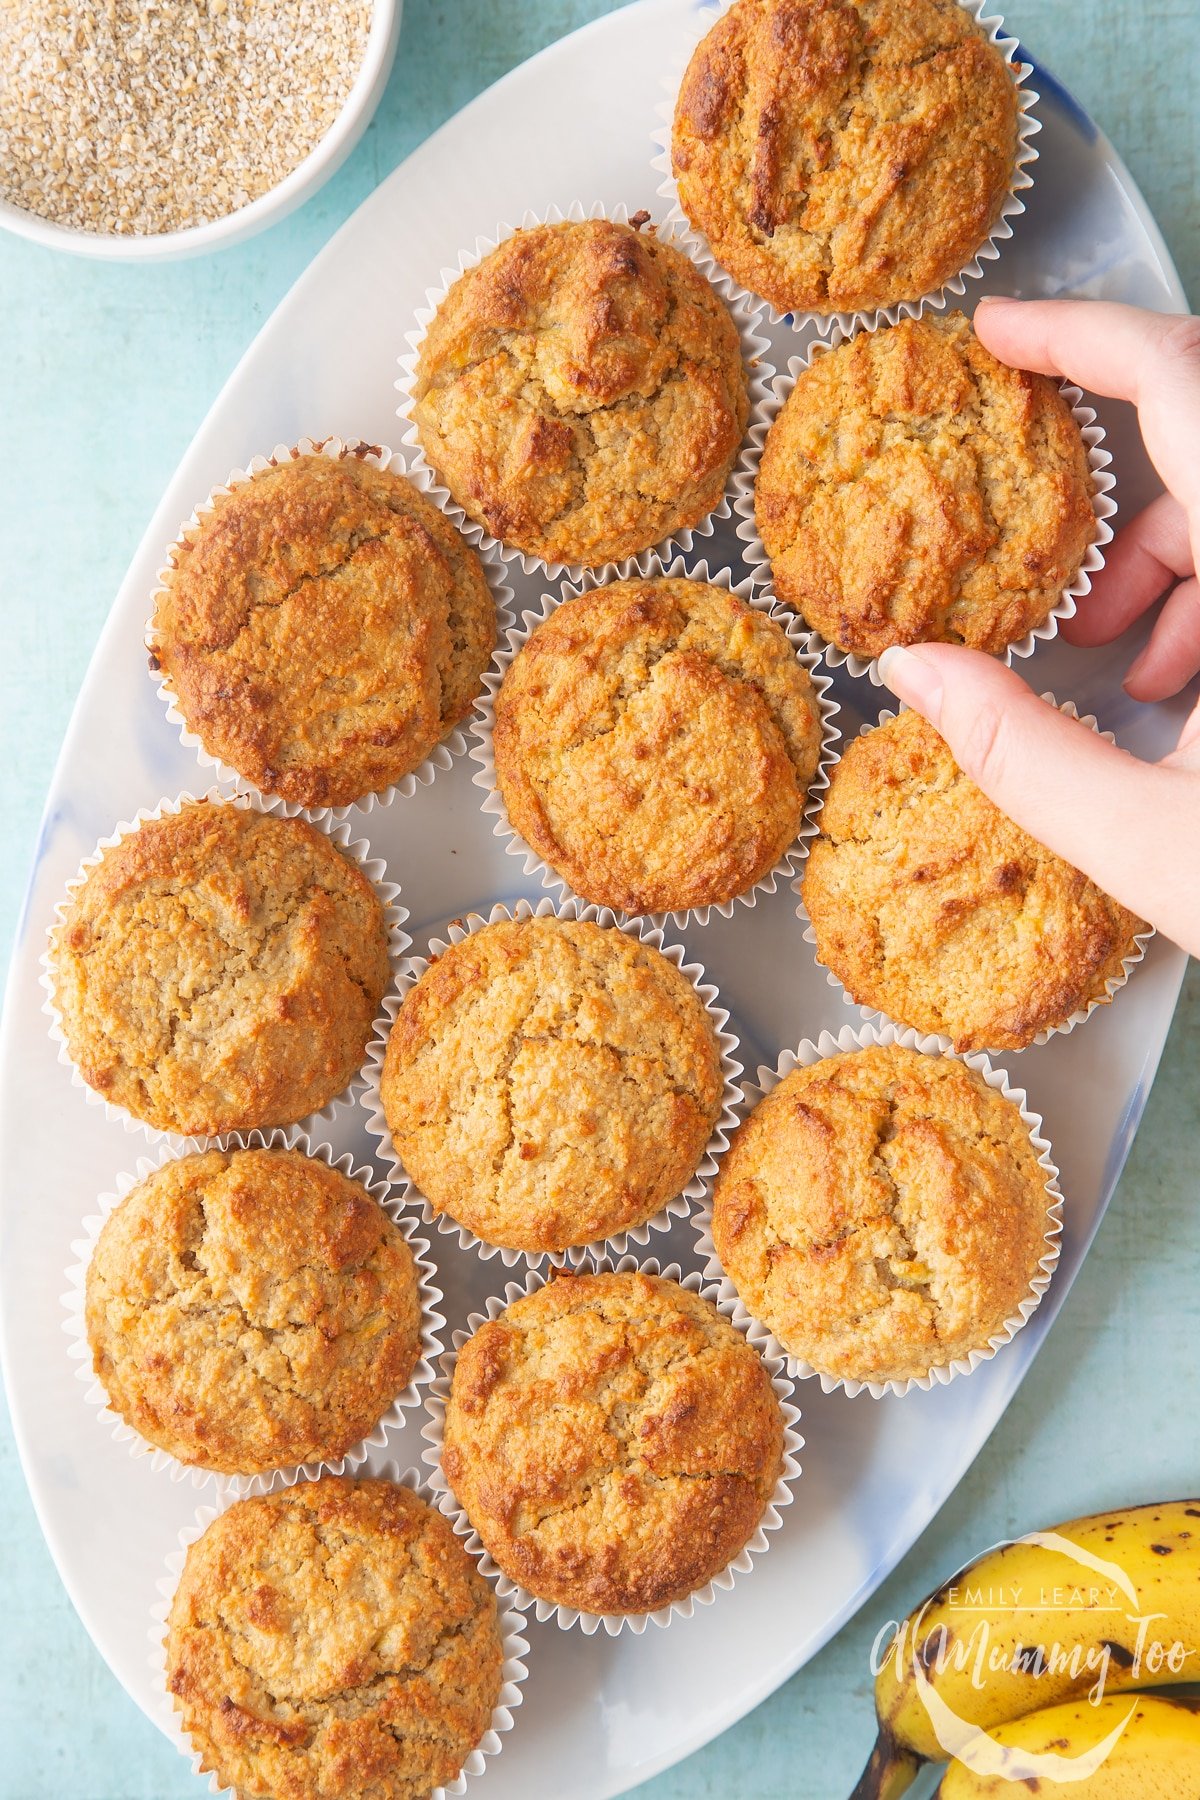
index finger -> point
(1127, 824)
(1151, 359)
(1100, 345)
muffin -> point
(581, 392)
(655, 742)
(323, 629)
(249, 1309)
(931, 905)
(882, 1212)
(914, 489)
(550, 1081)
(220, 969)
(333, 1640)
(844, 154)
(613, 1440)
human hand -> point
(1133, 827)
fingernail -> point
(993, 300)
(1135, 669)
(912, 679)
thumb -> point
(1134, 828)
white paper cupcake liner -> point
(756, 350)
(567, 1617)
(650, 565)
(392, 1419)
(680, 1205)
(512, 1633)
(944, 1043)
(443, 754)
(1028, 126)
(359, 852)
(1103, 506)
(802, 1058)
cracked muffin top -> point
(928, 903)
(247, 1309)
(914, 489)
(883, 1212)
(581, 392)
(613, 1440)
(844, 154)
(655, 742)
(551, 1081)
(220, 969)
(323, 629)
(331, 1641)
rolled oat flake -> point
(144, 116)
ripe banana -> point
(1103, 1604)
(1154, 1755)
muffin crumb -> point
(324, 628)
(928, 903)
(613, 1440)
(655, 741)
(845, 154)
(220, 969)
(581, 392)
(913, 489)
(251, 1309)
(331, 1640)
(882, 1212)
(549, 1082)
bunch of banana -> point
(1150, 1745)
(1097, 1607)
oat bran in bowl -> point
(143, 135)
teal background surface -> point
(107, 371)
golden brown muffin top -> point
(914, 489)
(323, 629)
(220, 969)
(655, 742)
(333, 1641)
(928, 903)
(551, 1081)
(883, 1212)
(614, 1441)
(581, 392)
(840, 154)
(247, 1309)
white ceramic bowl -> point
(291, 192)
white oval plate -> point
(614, 1712)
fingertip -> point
(1148, 688)
(998, 326)
(1172, 657)
(994, 309)
(1140, 565)
(1148, 680)
(1103, 618)
(914, 679)
(1074, 631)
